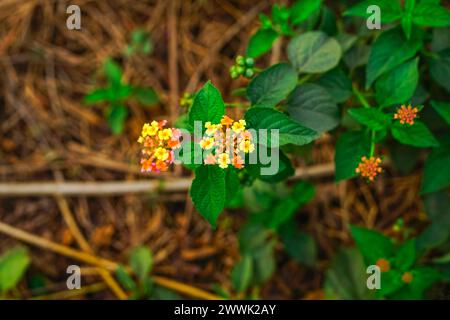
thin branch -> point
(99, 262)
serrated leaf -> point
(207, 106)
(398, 85)
(289, 130)
(350, 148)
(416, 135)
(314, 52)
(312, 106)
(389, 50)
(302, 9)
(261, 42)
(272, 85)
(208, 192)
(372, 244)
(370, 117)
(431, 15)
(337, 83)
(436, 173)
(13, 265)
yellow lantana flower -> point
(223, 160)
(239, 126)
(165, 134)
(207, 143)
(161, 153)
(246, 146)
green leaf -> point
(272, 85)
(416, 135)
(357, 56)
(431, 15)
(391, 281)
(141, 261)
(207, 106)
(423, 278)
(390, 50)
(441, 39)
(113, 72)
(116, 115)
(302, 9)
(289, 130)
(125, 279)
(264, 264)
(440, 69)
(398, 85)
(337, 83)
(261, 42)
(13, 264)
(314, 52)
(312, 106)
(346, 278)
(146, 96)
(350, 148)
(98, 95)
(372, 244)
(299, 245)
(438, 232)
(208, 192)
(281, 172)
(443, 108)
(390, 10)
(407, 24)
(436, 173)
(241, 275)
(372, 118)
(405, 256)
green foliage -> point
(397, 85)
(312, 106)
(116, 94)
(289, 130)
(436, 174)
(140, 43)
(370, 117)
(208, 105)
(13, 265)
(314, 52)
(272, 85)
(402, 262)
(141, 262)
(208, 192)
(350, 147)
(417, 135)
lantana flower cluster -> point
(406, 114)
(369, 167)
(158, 144)
(227, 142)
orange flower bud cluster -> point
(158, 144)
(227, 140)
(369, 167)
(406, 114)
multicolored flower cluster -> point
(227, 141)
(158, 145)
(369, 167)
(406, 114)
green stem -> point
(360, 97)
(372, 143)
(257, 70)
(304, 78)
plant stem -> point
(360, 97)
(304, 78)
(372, 143)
